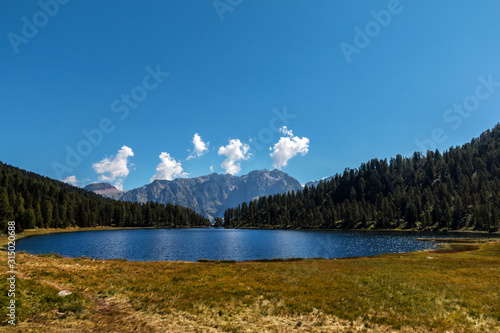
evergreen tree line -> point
(36, 201)
(459, 189)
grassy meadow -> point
(455, 289)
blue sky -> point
(240, 71)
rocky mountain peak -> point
(209, 195)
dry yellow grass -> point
(416, 292)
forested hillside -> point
(36, 201)
(459, 189)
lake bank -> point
(192, 244)
(224, 244)
(47, 231)
(411, 292)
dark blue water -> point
(227, 244)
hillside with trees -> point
(36, 201)
(456, 190)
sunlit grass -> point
(421, 291)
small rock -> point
(64, 293)
(60, 314)
(429, 258)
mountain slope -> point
(212, 194)
(459, 189)
(36, 201)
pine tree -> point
(6, 211)
(28, 220)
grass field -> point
(456, 289)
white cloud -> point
(286, 131)
(114, 167)
(212, 168)
(200, 147)
(235, 151)
(119, 184)
(71, 180)
(168, 168)
(287, 147)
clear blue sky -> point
(228, 69)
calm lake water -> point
(228, 244)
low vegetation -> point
(454, 290)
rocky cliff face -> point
(212, 194)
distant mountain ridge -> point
(209, 195)
(102, 188)
(316, 182)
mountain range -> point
(209, 195)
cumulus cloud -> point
(168, 168)
(235, 151)
(286, 131)
(119, 184)
(114, 167)
(287, 147)
(71, 180)
(200, 147)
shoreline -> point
(437, 232)
(37, 232)
(445, 241)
